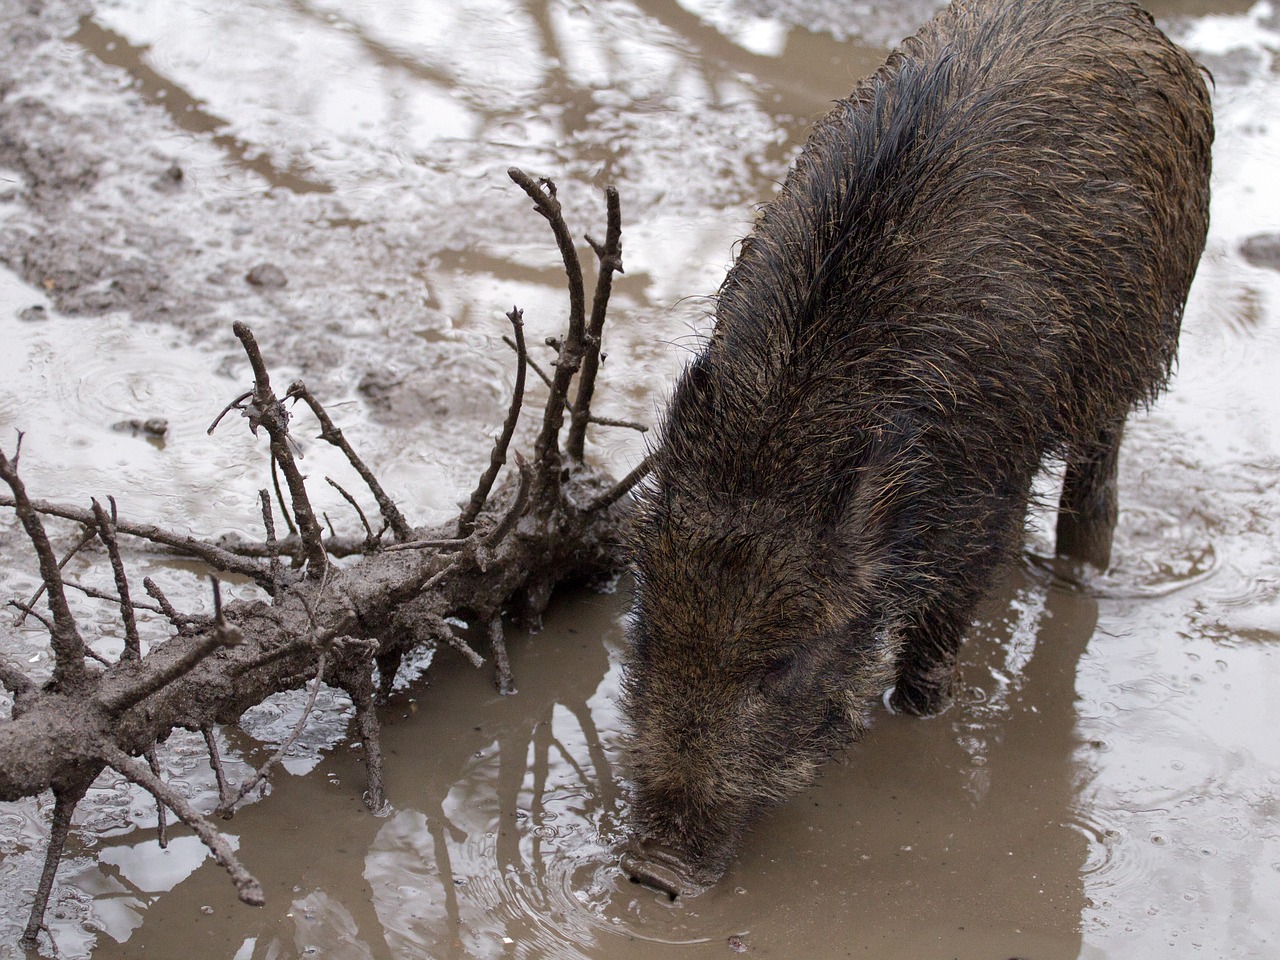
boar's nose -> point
(659, 868)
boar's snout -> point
(660, 868)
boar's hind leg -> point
(1087, 510)
(929, 660)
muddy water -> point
(1105, 787)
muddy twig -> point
(107, 534)
(68, 646)
(609, 257)
(214, 556)
(247, 887)
(498, 456)
(331, 434)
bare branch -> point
(107, 534)
(547, 447)
(328, 431)
(162, 829)
(225, 809)
(272, 545)
(248, 888)
(86, 536)
(284, 507)
(369, 537)
(610, 260)
(610, 422)
(64, 807)
(445, 545)
(513, 515)
(623, 486)
(466, 522)
(215, 761)
(270, 414)
(533, 364)
(216, 557)
(181, 622)
(359, 684)
(68, 646)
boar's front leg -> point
(929, 666)
(1088, 508)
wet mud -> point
(1106, 785)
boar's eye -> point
(776, 673)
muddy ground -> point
(333, 174)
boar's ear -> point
(692, 393)
(874, 525)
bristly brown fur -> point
(979, 260)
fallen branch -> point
(551, 518)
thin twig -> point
(248, 888)
(498, 456)
(215, 761)
(270, 414)
(236, 404)
(113, 597)
(273, 545)
(162, 826)
(623, 486)
(262, 773)
(215, 556)
(86, 536)
(181, 622)
(68, 646)
(599, 421)
(331, 433)
(609, 257)
(445, 545)
(107, 534)
(547, 446)
(516, 511)
(369, 538)
(611, 422)
(284, 507)
(65, 800)
(533, 364)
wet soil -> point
(1105, 787)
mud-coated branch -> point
(68, 646)
(216, 557)
(332, 434)
(623, 486)
(547, 447)
(268, 412)
(107, 534)
(248, 888)
(227, 807)
(65, 800)
(222, 635)
(498, 456)
(609, 256)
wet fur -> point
(978, 261)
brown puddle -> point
(1106, 785)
